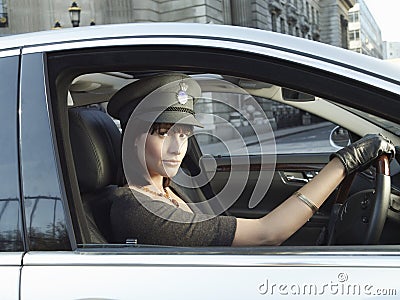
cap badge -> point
(182, 96)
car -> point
(274, 108)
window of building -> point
(344, 31)
(308, 10)
(283, 26)
(354, 16)
(273, 22)
(3, 14)
(354, 35)
(312, 15)
(290, 28)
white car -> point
(297, 100)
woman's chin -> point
(171, 169)
(173, 173)
(169, 172)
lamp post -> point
(75, 14)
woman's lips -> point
(172, 162)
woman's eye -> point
(163, 133)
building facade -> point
(320, 20)
(391, 50)
(334, 21)
(364, 33)
(3, 14)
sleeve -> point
(152, 224)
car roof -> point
(70, 38)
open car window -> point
(269, 135)
(241, 123)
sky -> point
(386, 15)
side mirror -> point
(339, 137)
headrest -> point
(96, 147)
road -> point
(311, 141)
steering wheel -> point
(359, 219)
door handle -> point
(294, 179)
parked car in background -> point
(274, 107)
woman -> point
(156, 135)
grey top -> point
(131, 220)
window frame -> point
(63, 66)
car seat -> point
(96, 147)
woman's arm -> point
(287, 218)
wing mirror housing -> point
(339, 137)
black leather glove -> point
(359, 155)
(397, 154)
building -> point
(391, 50)
(3, 14)
(334, 22)
(364, 33)
(320, 20)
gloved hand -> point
(359, 155)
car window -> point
(242, 122)
(43, 205)
(240, 116)
(237, 119)
(10, 216)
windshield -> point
(387, 125)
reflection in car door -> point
(11, 246)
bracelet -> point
(307, 201)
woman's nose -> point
(176, 145)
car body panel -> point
(10, 267)
(11, 52)
(127, 276)
(80, 271)
(252, 40)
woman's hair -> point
(160, 128)
(138, 174)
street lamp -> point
(75, 14)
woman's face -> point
(165, 149)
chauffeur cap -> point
(167, 98)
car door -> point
(63, 262)
(11, 237)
